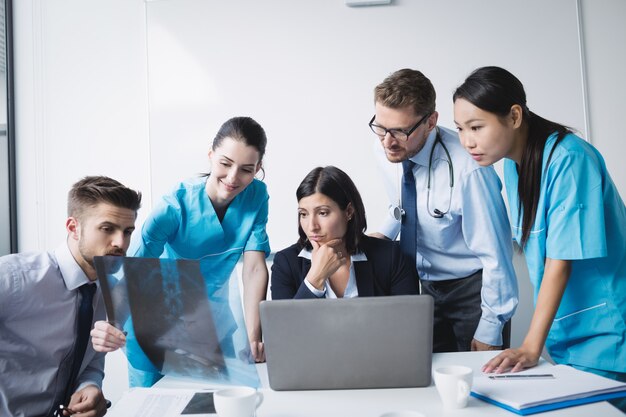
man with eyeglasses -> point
(450, 216)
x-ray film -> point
(179, 321)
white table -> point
(374, 402)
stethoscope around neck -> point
(398, 212)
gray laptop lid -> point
(370, 342)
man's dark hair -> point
(90, 191)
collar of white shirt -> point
(72, 273)
(357, 257)
(423, 156)
(351, 290)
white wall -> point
(605, 38)
(306, 71)
(81, 105)
(136, 90)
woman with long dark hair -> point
(333, 257)
(566, 215)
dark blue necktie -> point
(408, 230)
(83, 328)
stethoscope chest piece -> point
(397, 212)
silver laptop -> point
(370, 342)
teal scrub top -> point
(184, 225)
(580, 217)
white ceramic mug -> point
(454, 384)
(237, 402)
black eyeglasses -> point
(398, 134)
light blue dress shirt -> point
(39, 301)
(474, 234)
(580, 217)
(184, 225)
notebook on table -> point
(370, 342)
(545, 388)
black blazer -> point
(386, 272)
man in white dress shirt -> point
(41, 295)
(453, 219)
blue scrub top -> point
(580, 217)
(184, 225)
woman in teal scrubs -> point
(213, 219)
(568, 217)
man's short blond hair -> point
(407, 88)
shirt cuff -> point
(86, 384)
(489, 332)
(315, 291)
